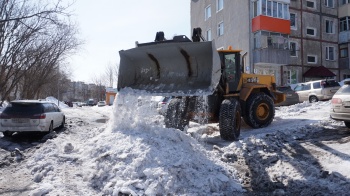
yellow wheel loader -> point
(197, 75)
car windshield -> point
(23, 108)
(284, 88)
(344, 89)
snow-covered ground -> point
(133, 153)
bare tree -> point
(46, 69)
(109, 75)
(98, 89)
(34, 40)
(116, 73)
(46, 13)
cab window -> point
(230, 66)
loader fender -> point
(248, 89)
(279, 97)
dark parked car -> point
(91, 102)
(291, 96)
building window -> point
(264, 39)
(286, 11)
(293, 49)
(330, 53)
(311, 59)
(329, 3)
(293, 22)
(311, 4)
(279, 10)
(343, 51)
(220, 28)
(290, 76)
(274, 9)
(263, 7)
(344, 24)
(311, 31)
(207, 12)
(271, 8)
(208, 35)
(343, 2)
(255, 7)
(329, 26)
(219, 5)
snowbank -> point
(59, 103)
(137, 155)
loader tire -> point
(176, 115)
(259, 111)
(230, 119)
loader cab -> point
(231, 70)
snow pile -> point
(137, 155)
(54, 100)
(279, 162)
(133, 154)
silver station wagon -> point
(340, 104)
(318, 90)
(30, 115)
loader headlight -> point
(253, 80)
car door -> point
(57, 115)
(301, 92)
(305, 93)
(317, 90)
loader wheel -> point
(176, 115)
(347, 124)
(260, 110)
(230, 119)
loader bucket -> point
(171, 69)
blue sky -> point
(108, 26)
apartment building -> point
(295, 40)
(313, 39)
(260, 28)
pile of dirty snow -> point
(137, 155)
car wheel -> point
(259, 111)
(313, 99)
(347, 124)
(63, 121)
(230, 119)
(51, 127)
(7, 133)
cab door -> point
(231, 70)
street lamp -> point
(58, 93)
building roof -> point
(319, 71)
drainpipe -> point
(251, 43)
(301, 40)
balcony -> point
(272, 56)
(344, 63)
(344, 37)
(266, 23)
(344, 10)
(271, 48)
